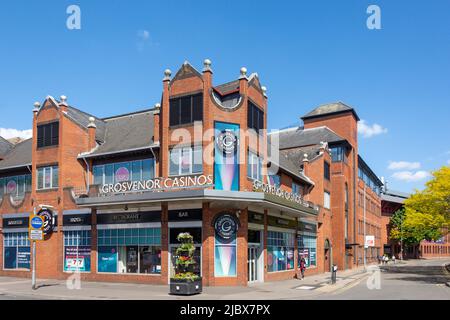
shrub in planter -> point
(185, 281)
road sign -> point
(370, 241)
(35, 228)
(36, 235)
(36, 222)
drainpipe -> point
(88, 169)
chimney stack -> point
(92, 128)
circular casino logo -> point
(49, 225)
(226, 226)
(227, 142)
(11, 187)
(122, 174)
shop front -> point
(16, 246)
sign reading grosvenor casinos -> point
(158, 184)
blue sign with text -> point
(36, 223)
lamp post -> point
(401, 238)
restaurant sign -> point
(159, 184)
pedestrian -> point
(380, 260)
(303, 267)
(386, 259)
(393, 258)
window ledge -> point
(190, 124)
(46, 190)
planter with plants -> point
(185, 281)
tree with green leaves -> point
(426, 214)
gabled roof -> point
(186, 71)
(19, 156)
(299, 137)
(82, 119)
(228, 87)
(394, 196)
(130, 132)
(330, 109)
(5, 146)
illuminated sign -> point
(158, 184)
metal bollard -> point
(334, 274)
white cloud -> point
(368, 131)
(409, 176)
(13, 133)
(403, 165)
(143, 35)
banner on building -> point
(226, 156)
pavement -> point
(349, 285)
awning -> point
(232, 199)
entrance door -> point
(254, 273)
(253, 270)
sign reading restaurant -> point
(159, 184)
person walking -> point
(393, 259)
(303, 267)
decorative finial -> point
(264, 90)
(167, 74)
(305, 157)
(92, 123)
(63, 99)
(207, 65)
(37, 105)
(157, 106)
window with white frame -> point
(326, 200)
(47, 178)
(186, 161)
(16, 250)
(254, 166)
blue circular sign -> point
(36, 223)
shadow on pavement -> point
(424, 274)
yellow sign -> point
(36, 224)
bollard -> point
(334, 274)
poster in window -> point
(107, 259)
(226, 156)
(77, 258)
(225, 261)
(11, 187)
(23, 257)
(10, 260)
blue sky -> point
(306, 52)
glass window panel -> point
(109, 174)
(99, 172)
(186, 161)
(186, 110)
(148, 169)
(55, 177)
(198, 160)
(137, 170)
(175, 162)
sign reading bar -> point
(158, 184)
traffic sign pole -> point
(33, 273)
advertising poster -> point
(107, 259)
(10, 259)
(226, 156)
(23, 257)
(77, 258)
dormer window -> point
(48, 135)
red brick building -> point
(392, 201)
(120, 189)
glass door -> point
(253, 253)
